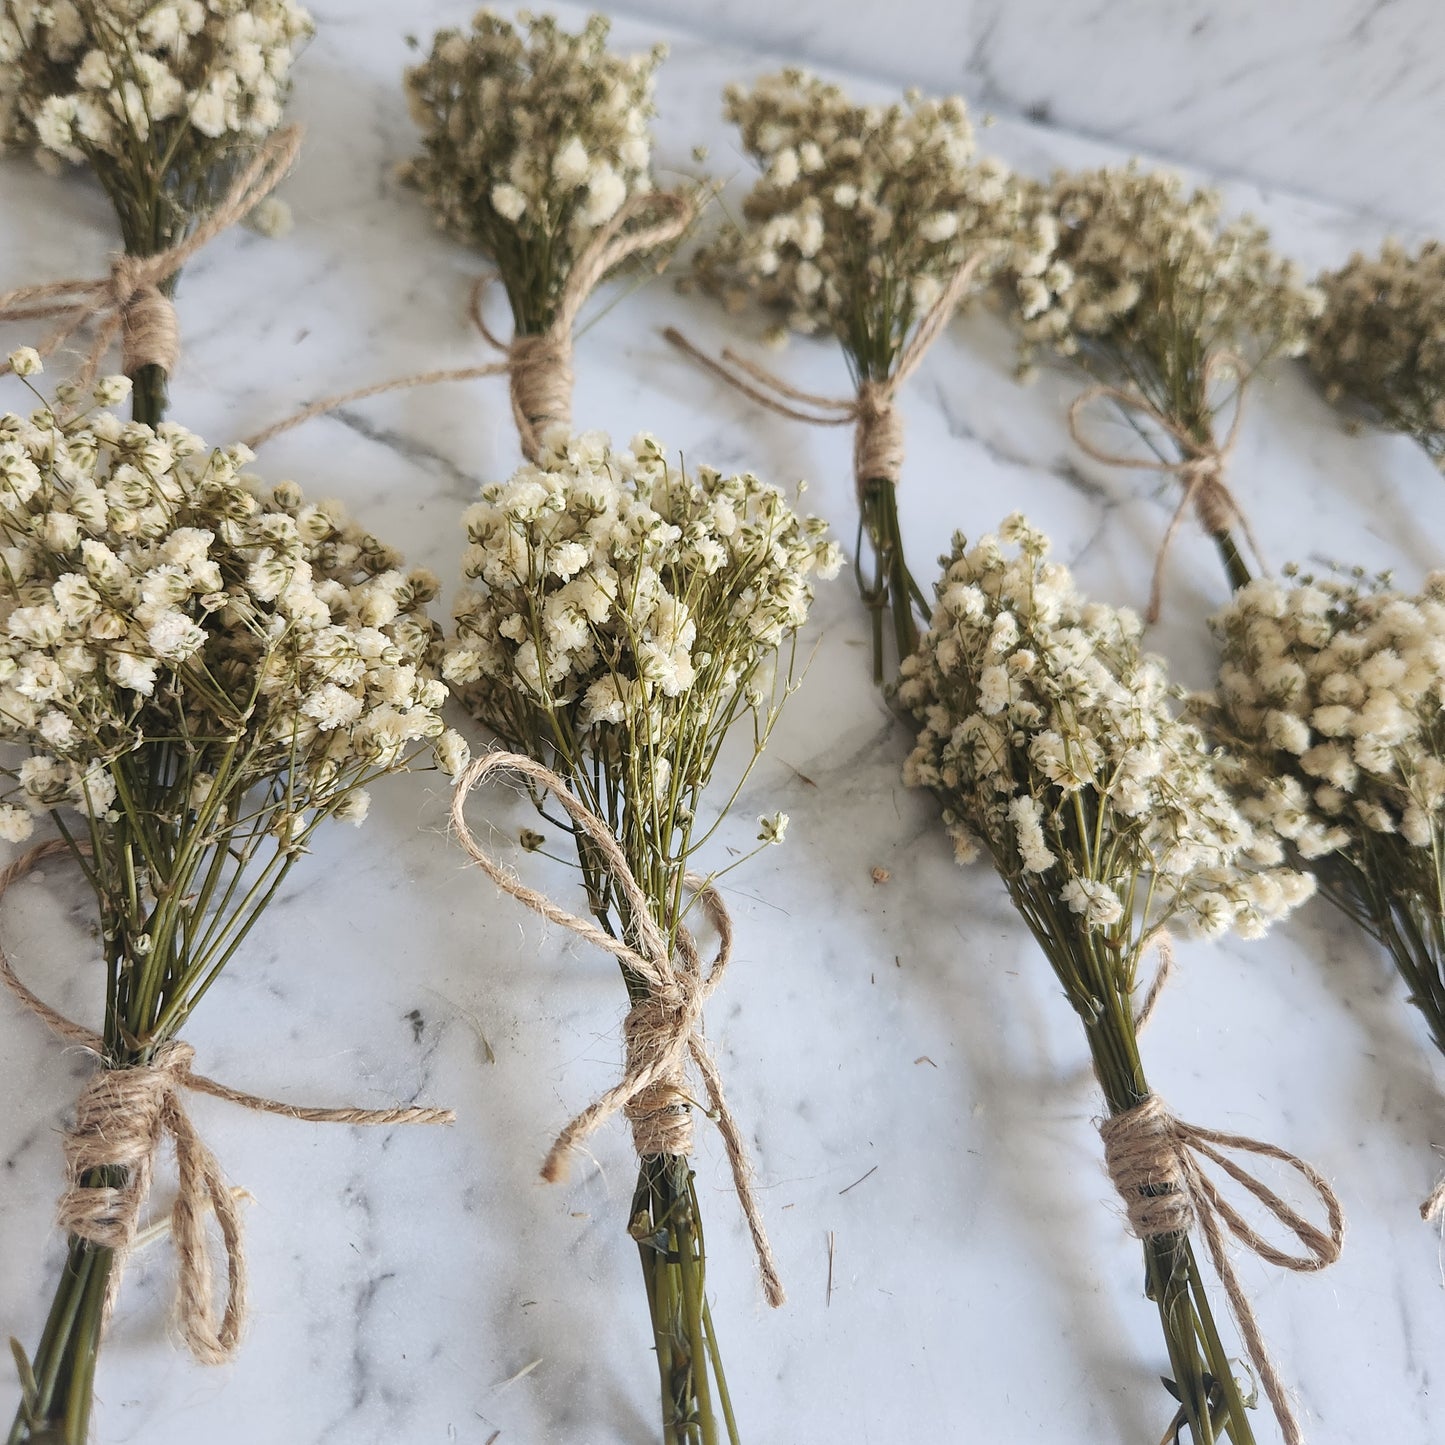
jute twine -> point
(1156, 1163)
(121, 1118)
(1200, 467)
(128, 303)
(878, 445)
(663, 1029)
(538, 368)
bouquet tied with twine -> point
(1050, 740)
(873, 223)
(196, 673)
(1330, 698)
(623, 620)
(1172, 309)
(167, 104)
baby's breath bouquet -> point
(1173, 309)
(1380, 344)
(536, 151)
(1053, 745)
(873, 223)
(624, 619)
(164, 100)
(1331, 694)
(196, 673)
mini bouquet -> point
(536, 151)
(1380, 344)
(170, 106)
(1051, 742)
(625, 618)
(1331, 694)
(875, 224)
(1164, 302)
(196, 673)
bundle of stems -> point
(874, 224)
(1052, 743)
(200, 672)
(625, 621)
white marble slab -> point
(1339, 99)
(984, 1288)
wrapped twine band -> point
(1200, 467)
(538, 368)
(878, 445)
(128, 304)
(663, 1030)
(1155, 1161)
(121, 1118)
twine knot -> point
(1155, 1161)
(878, 450)
(538, 366)
(128, 303)
(121, 1118)
(149, 330)
(878, 442)
(663, 1029)
(540, 382)
(1200, 466)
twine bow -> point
(128, 303)
(663, 1029)
(121, 1119)
(1200, 467)
(538, 368)
(1156, 1162)
(878, 446)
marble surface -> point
(911, 1081)
(1339, 99)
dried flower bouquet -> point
(1173, 310)
(1380, 344)
(1051, 741)
(196, 673)
(166, 103)
(873, 223)
(624, 620)
(1330, 695)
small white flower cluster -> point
(533, 139)
(1126, 261)
(86, 80)
(1051, 739)
(157, 596)
(624, 595)
(1381, 340)
(862, 214)
(1334, 689)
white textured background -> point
(1342, 100)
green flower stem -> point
(889, 588)
(668, 1230)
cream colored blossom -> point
(532, 139)
(1052, 740)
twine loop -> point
(878, 441)
(663, 1029)
(128, 303)
(1156, 1162)
(1200, 466)
(538, 366)
(121, 1119)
